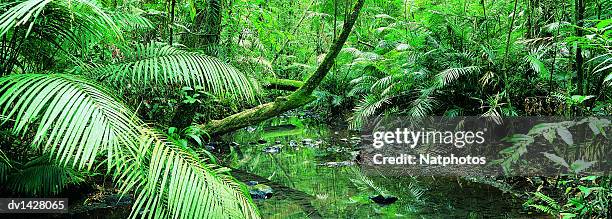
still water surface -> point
(312, 175)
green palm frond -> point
(424, 104)
(132, 20)
(364, 183)
(366, 108)
(604, 66)
(164, 65)
(71, 117)
(64, 15)
(20, 13)
(536, 64)
(362, 85)
(77, 122)
(5, 167)
(42, 177)
(449, 75)
(386, 82)
(170, 177)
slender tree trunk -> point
(171, 21)
(335, 17)
(506, 82)
(484, 14)
(292, 32)
(529, 17)
(297, 99)
(555, 48)
(579, 4)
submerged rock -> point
(210, 146)
(293, 143)
(384, 199)
(338, 164)
(273, 149)
(250, 129)
(260, 191)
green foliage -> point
(40, 176)
(167, 179)
(81, 12)
(168, 66)
(62, 58)
(586, 197)
(550, 132)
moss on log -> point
(283, 84)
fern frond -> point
(551, 202)
(544, 209)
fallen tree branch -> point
(296, 99)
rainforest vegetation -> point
(251, 108)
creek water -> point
(311, 176)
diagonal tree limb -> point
(296, 99)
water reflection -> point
(314, 175)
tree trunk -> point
(283, 84)
(555, 48)
(282, 104)
(579, 4)
(171, 21)
(484, 14)
(506, 80)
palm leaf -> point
(449, 75)
(366, 108)
(42, 177)
(537, 65)
(78, 122)
(64, 14)
(164, 65)
(71, 117)
(5, 167)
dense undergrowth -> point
(113, 87)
